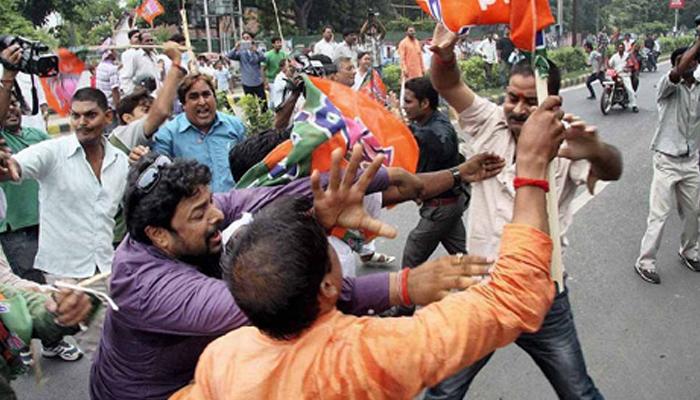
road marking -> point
(583, 198)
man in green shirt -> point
(273, 58)
(19, 231)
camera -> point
(32, 62)
(316, 65)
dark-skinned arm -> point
(163, 104)
(444, 73)
(684, 63)
(12, 55)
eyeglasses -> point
(150, 177)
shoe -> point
(635, 109)
(377, 259)
(590, 97)
(693, 265)
(62, 350)
(648, 275)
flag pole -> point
(188, 43)
(552, 197)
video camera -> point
(31, 62)
(317, 65)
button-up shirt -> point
(342, 356)
(135, 65)
(345, 50)
(325, 48)
(106, 79)
(679, 118)
(179, 138)
(437, 141)
(487, 50)
(169, 311)
(251, 66)
(76, 210)
(492, 200)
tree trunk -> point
(302, 8)
(573, 23)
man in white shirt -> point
(487, 50)
(326, 45)
(142, 63)
(81, 178)
(125, 84)
(583, 159)
(348, 47)
(282, 86)
(618, 62)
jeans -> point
(599, 76)
(554, 348)
(20, 247)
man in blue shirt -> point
(201, 133)
(251, 59)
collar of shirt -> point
(75, 148)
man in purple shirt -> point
(166, 280)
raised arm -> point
(682, 65)
(163, 104)
(11, 55)
(445, 74)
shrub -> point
(391, 75)
(254, 118)
(669, 43)
(568, 59)
(473, 74)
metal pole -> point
(675, 24)
(240, 19)
(206, 24)
(560, 20)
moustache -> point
(518, 117)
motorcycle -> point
(647, 60)
(614, 92)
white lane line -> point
(583, 198)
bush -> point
(568, 59)
(669, 43)
(391, 75)
(473, 73)
(254, 118)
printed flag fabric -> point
(149, 10)
(525, 17)
(59, 89)
(334, 116)
(374, 87)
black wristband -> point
(456, 177)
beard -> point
(208, 264)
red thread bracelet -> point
(405, 298)
(519, 182)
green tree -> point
(12, 22)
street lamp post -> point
(206, 24)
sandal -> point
(378, 259)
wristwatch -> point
(456, 176)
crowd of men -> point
(247, 293)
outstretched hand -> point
(435, 279)
(481, 167)
(581, 140)
(341, 203)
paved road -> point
(640, 340)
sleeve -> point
(474, 119)
(43, 326)
(127, 70)
(360, 295)
(665, 88)
(163, 141)
(237, 201)
(451, 334)
(234, 55)
(7, 277)
(38, 160)
(114, 79)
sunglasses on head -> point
(150, 177)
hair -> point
(177, 38)
(92, 94)
(275, 265)
(340, 61)
(422, 89)
(275, 39)
(326, 27)
(156, 208)
(676, 55)
(252, 35)
(129, 103)
(361, 54)
(409, 27)
(588, 45)
(524, 68)
(189, 81)
(283, 63)
(348, 31)
(252, 150)
(133, 33)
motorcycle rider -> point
(595, 61)
(618, 62)
(649, 44)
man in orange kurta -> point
(286, 279)
(411, 55)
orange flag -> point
(59, 89)
(149, 10)
(525, 17)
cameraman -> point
(251, 59)
(371, 36)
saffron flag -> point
(525, 17)
(149, 10)
(334, 116)
(59, 89)
(373, 86)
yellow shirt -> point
(346, 357)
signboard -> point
(676, 4)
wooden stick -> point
(194, 68)
(552, 200)
(135, 46)
(93, 279)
